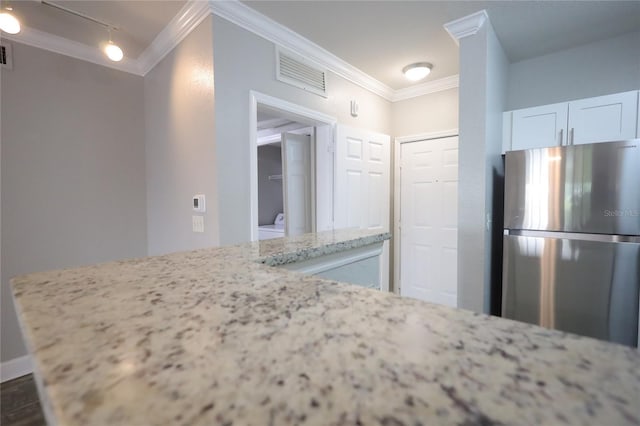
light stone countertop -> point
(216, 336)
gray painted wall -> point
(180, 145)
(601, 68)
(269, 191)
(243, 62)
(496, 100)
(425, 114)
(483, 76)
(73, 180)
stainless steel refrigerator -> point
(571, 256)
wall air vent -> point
(294, 70)
(5, 56)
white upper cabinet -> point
(539, 127)
(599, 119)
(605, 118)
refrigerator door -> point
(585, 287)
(590, 188)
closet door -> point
(362, 197)
(603, 119)
(428, 264)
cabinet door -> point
(507, 118)
(539, 127)
(604, 118)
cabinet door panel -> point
(604, 118)
(539, 127)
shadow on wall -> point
(497, 207)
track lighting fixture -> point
(110, 49)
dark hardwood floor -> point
(19, 403)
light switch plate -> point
(198, 223)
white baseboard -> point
(15, 368)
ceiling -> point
(381, 37)
(139, 21)
(378, 37)
(272, 123)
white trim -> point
(466, 26)
(74, 49)
(256, 98)
(434, 86)
(180, 26)
(16, 367)
(396, 193)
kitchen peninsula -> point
(225, 336)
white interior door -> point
(296, 177)
(429, 220)
(362, 190)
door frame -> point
(397, 201)
(288, 108)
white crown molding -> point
(74, 49)
(180, 26)
(466, 26)
(434, 86)
(255, 22)
(195, 11)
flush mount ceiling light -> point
(112, 50)
(9, 23)
(417, 71)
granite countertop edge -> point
(308, 253)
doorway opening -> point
(292, 168)
(286, 176)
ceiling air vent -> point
(5, 55)
(298, 72)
